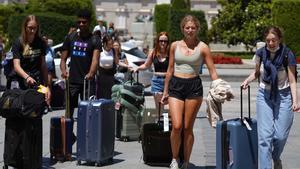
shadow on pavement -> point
(192, 166)
(47, 163)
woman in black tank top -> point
(160, 59)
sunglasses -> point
(83, 22)
(165, 41)
(31, 27)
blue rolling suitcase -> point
(237, 144)
(95, 131)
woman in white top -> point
(107, 68)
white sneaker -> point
(277, 164)
(174, 164)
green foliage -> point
(241, 21)
(285, 15)
(174, 27)
(53, 25)
(5, 12)
(161, 17)
(181, 4)
(65, 7)
(55, 16)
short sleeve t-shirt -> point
(80, 50)
(30, 56)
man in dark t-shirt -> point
(84, 50)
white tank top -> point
(106, 59)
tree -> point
(241, 21)
(5, 12)
(181, 4)
(67, 8)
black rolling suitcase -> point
(23, 143)
(156, 143)
(58, 95)
(61, 132)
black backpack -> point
(22, 103)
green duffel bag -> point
(131, 97)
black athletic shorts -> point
(182, 88)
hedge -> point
(53, 25)
(285, 15)
(161, 17)
(174, 24)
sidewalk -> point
(128, 155)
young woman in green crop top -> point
(183, 87)
(159, 56)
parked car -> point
(134, 56)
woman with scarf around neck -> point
(276, 97)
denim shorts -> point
(157, 84)
(182, 88)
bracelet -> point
(27, 77)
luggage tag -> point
(247, 124)
(166, 121)
(117, 105)
(42, 89)
(14, 85)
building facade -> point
(126, 13)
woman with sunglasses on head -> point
(29, 64)
(29, 52)
(183, 88)
(159, 56)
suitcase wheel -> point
(98, 164)
(79, 162)
(145, 158)
(68, 157)
(110, 160)
(125, 139)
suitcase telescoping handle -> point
(242, 102)
(137, 76)
(159, 111)
(84, 89)
(67, 97)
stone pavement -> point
(128, 155)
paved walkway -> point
(128, 155)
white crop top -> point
(106, 59)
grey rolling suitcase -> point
(128, 125)
(95, 131)
(129, 112)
